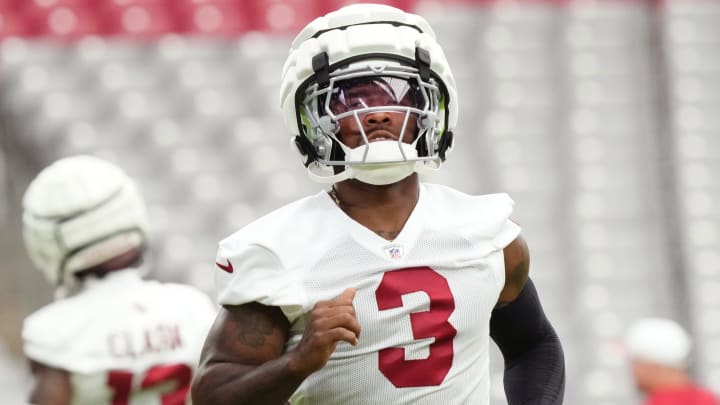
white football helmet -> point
(79, 212)
(660, 341)
(368, 45)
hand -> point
(330, 322)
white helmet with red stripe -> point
(368, 42)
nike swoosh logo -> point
(228, 268)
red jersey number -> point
(426, 324)
(181, 374)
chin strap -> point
(378, 163)
(313, 171)
(324, 175)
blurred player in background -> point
(117, 339)
(659, 352)
(381, 290)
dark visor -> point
(377, 91)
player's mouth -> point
(380, 135)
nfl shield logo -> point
(394, 251)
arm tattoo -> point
(248, 325)
(256, 328)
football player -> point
(117, 339)
(384, 289)
(658, 352)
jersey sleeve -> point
(503, 230)
(498, 209)
(46, 340)
(490, 223)
(253, 273)
(507, 233)
(485, 222)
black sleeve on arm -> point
(534, 361)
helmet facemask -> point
(350, 97)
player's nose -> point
(378, 118)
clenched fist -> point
(330, 322)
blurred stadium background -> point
(601, 119)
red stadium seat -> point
(127, 3)
(12, 23)
(57, 3)
(10, 4)
(219, 18)
(190, 3)
(61, 22)
(282, 16)
(330, 5)
(139, 19)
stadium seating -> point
(692, 36)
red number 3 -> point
(427, 324)
(121, 383)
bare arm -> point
(517, 270)
(243, 360)
(52, 385)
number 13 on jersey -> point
(177, 375)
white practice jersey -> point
(423, 300)
(124, 340)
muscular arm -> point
(52, 385)
(244, 362)
(534, 360)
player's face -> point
(382, 124)
(643, 373)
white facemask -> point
(370, 169)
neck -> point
(119, 262)
(667, 379)
(382, 209)
(356, 194)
